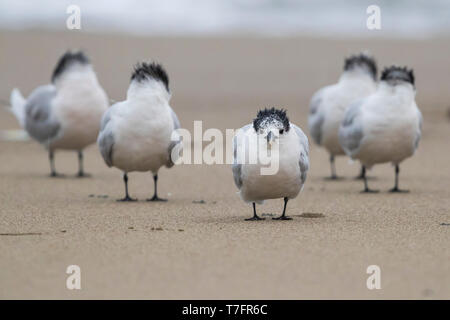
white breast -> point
(79, 106)
(285, 182)
(141, 138)
(390, 130)
(336, 102)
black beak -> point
(269, 136)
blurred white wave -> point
(404, 18)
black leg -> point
(333, 168)
(366, 187)
(361, 174)
(81, 173)
(155, 195)
(127, 196)
(255, 216)
(283, 215)
(51, 158)
(395, 188)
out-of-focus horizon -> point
(402, 18)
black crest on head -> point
(398, 73)
(272, 113)
(362, 60)
(144, 71)
(68, 59)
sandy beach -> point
(187, 250)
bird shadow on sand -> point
(49, 177)
(25, 234)
(309, 215)
(75, 176)
(347, 178)
(139, 200)
(267, 216)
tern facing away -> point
(271, 126)
(66, 113)
(386, 126)
(136, 134)
(328, 105)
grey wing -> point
(316, 116)
(176, 125)
(304, 153)
(419, 131)
(236, 167)
(351, 130)
(176, 122)
(39, 121)
(105, 139)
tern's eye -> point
(281, 131)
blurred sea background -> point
(274, 18)
(226, 59)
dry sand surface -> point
(182, 249)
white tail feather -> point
(18, 106)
